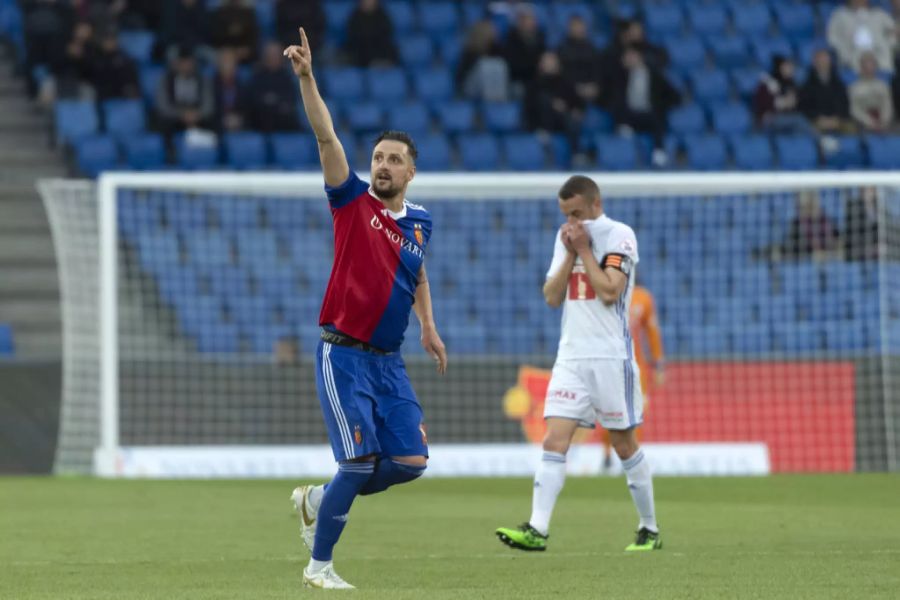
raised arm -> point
(331, 152)
(431, 341)
(609, 282)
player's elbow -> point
(553, 300)
(608, 297)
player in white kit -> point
(595, 377)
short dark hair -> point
(581, 186)
(399, 136)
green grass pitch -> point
(776, 537)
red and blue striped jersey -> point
(377, 258)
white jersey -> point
(591, 329)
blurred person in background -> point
(232, 95)
(70, 71)
(482, 73)
(184, 24)
(142, 14)
(308, 12)
(861, 229)
(580, 61)
(552, 103)
(370, 35)
(273, 93)
(811, 233)
(47, 25)
(641, 100)
(523, 47)
(185, 98)
(858, 28)
(870, 97)
(630, 34)
(776, 103)
(110, 71)
(823, 97)
(233, 25)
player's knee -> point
(558, 444)
(625, 445)
(418, 461)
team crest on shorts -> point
(420, 237)
(424, 434)
(357, 436)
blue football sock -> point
(389, 472)
(336, 503)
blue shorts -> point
(368, 404)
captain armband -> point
(618, 261)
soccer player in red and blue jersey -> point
(374, 421)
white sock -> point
(317, 565)
(315, 497)
(640, 484)
(548, 482)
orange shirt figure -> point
(648, 346)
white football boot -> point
(308, 514)
(326, 579)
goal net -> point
(190, 307)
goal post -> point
(190, 299)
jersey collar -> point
(394, 215)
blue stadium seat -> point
(705, 341)
(751, 281)
(415, 50)
(663, 19)
(597, 120)
(96, 153)
(208, 249)
(137, 215)
(403, 17)
(223, 338)
(795, 19)
(846, 336)
(433, 85)
(196, 313)
(235, 213)
(709, 86)
(687, 118)
(74, 120)
(798, 337)
(177, 282)
(616, 153)
(751, 19)
(796, 152)
(7, 346)
(412, 117)
(123, 118)
(434, 153)
(479, 151)
(751, 338)
(365, 117)
(728, 51)
(765, 48)
(149, 77)
(706, 152)
(245, 150)
(450, 49)
(456, 116)
(847, 155)
(523, 152)
(707, 18)
(337, 12)
(884, 151)
(264, 338)
(226, 281)
(502, 117)
(275, 280)
(195, 156)
(145, 152)
(730, 118)
(438, 17)
(158, 250)
(252, 311)
(745, 80)
(752, 152)
(344, 83)
(138, 44)
(800, 279)
(294, 151)
(257, 247)
(686, 53)
(183, 213)
(387, 84)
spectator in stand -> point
(184, 24)
(47, 25)
(482, 73)
(110, 71)
(185, 98)
(273, 99)
(630, 34)
(231, 95)
(290, 14)
(776, 103)
(579, 59)
(641, 100)
(70, 71)
(811, 232)
(870, 97)
(233, 26)
(370, 35)
(823, 97)
(523, 47)
(861, 230)
(142, 14)
(102, 14)
(552, 103)
(859, 28)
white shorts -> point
(590, 390)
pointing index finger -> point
(303, 41)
